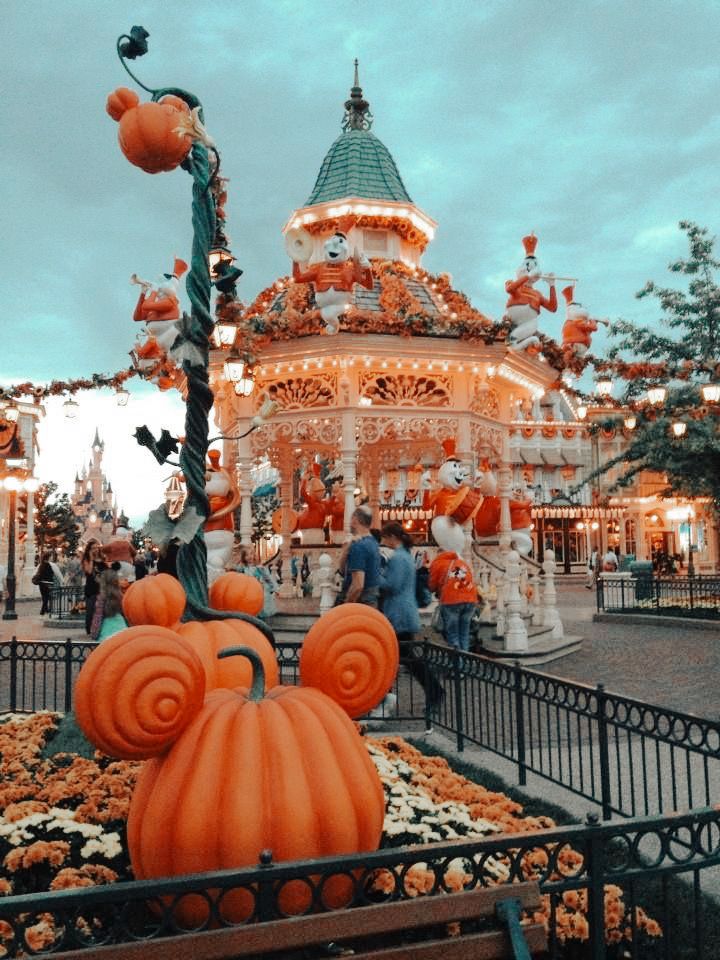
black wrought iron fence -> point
(670, 596)
(67, 603)
(631, 757)
(643, 889)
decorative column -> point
(372, 466)
(25, 585)
(286, 466)
(348, 457)
(516, 638)
(551, 615)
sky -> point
(595, 124)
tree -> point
(683, 358)
(56, 527)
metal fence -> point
(642, 889)
(672, 596)
(67, 603)
(631, 757)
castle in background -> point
(93, 501)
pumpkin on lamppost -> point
(151, 134)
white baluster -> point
(516, 637)
(551, 615)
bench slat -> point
(493, 945)
(339, 925)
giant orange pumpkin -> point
(351, 654)
(210, 637)
(138, 690)
(159, 600)
(282, 770)
(237, 591)
(148, 131)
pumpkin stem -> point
(257, 688)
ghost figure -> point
(335, 277)
(158, 307)
(521, 519)
(454, 503)
(524, 302)
(578, 327)
(223, 498)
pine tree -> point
(56, 527)
(681, 353)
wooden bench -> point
(397, 930)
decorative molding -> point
(300, 393)
(371, 430)
(485, 400)
(316, 430)
(486, 441)
(406, 389)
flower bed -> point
(63, 825)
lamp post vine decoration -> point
(159, 136)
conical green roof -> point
(358, 164)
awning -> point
(576, 512)
(552, 457)
(531, 456)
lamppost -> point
(152, 147)
(14, 481)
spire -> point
(97, 442)
(357, 109)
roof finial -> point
(357, 109)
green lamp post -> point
(148, 139)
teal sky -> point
(593, 123)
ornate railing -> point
(65, 603)
(668, 596)
(630, 757)
(644, 889)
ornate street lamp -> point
(630, 421)
(679, 428)
(604, 386)
(711, 392)
(165, 153)
(656, 395)
(14, 482)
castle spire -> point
(357, 109)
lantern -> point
(604, 386)
(122, 396)
(630, 422)
(234, 368)
(11, 412)
(679, 428)
(223, 335)
(70, 408)
(711, 392)
(581, 412)
(246, 384)
(656, 396)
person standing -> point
(610, 561)
(452, 580)
(593, 564)
(261, 573)
(44, 579)
(400, 605)
(362, 566)
(92, 564)
(108, 618)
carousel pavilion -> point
(412, 364)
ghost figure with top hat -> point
(334, 278)
(525, 302)
(158, 307)
(454, 503)
(223, 499)
(578, 327)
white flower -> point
(107, 846)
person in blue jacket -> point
(400, 605)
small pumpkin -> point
(159, 600)
(282, 769)
(147, 132)
(137, 690)
(237, 591)
(210, 637)
(351, 654)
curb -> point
(648, 620)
